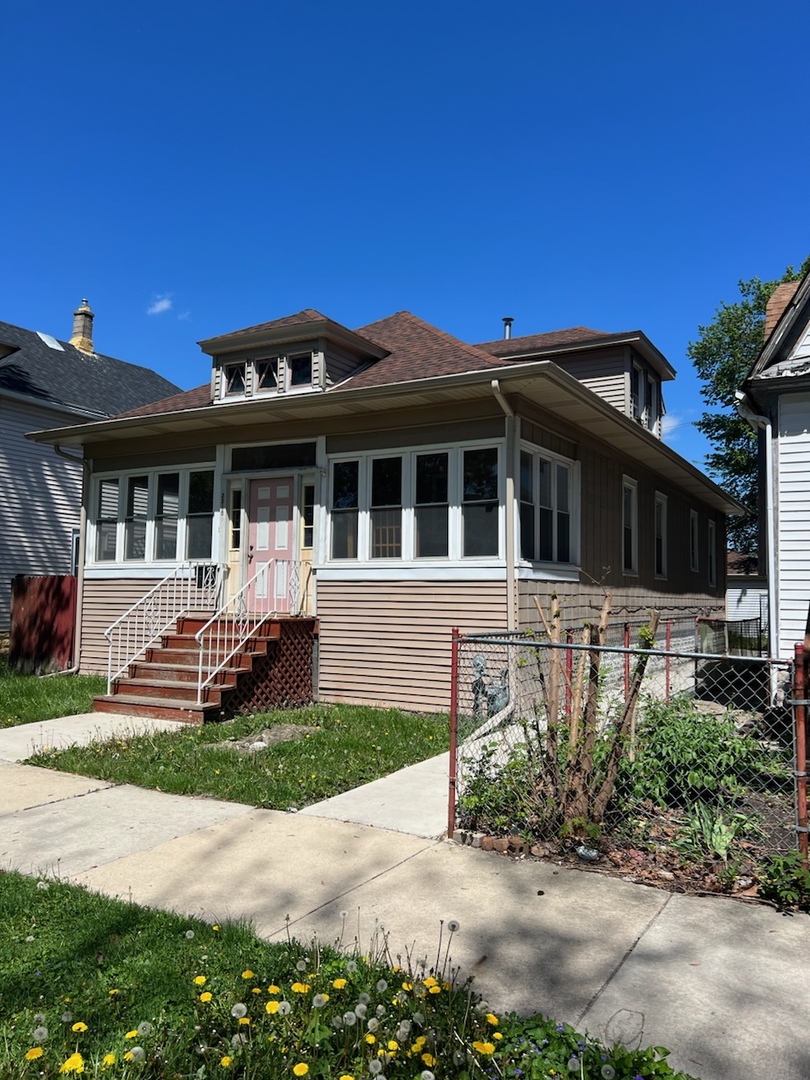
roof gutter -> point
(763, 423)
(511, 532)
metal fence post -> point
(626, 661)
(451, 780)
(800, 729)
(668, 662)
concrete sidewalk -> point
(722, 985)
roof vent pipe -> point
(507, 327)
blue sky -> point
(193, 168)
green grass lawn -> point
(103, 988)
(348, 745)
(27, 699)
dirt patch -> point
(269, 736)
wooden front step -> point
(158, 708)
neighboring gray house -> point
(48, 383)
(776, 400)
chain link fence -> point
(650, 750)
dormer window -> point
(267, 374)
(234, 379)
(300, 369)
(644, 397)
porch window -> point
(136, 517)
(200, 517)
(107, 520)
(629, 526)
(431, 505)
(546, 508)
(479, 510)
(167, 515)
(386, 508)
(345, 508)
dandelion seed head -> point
(351, 966)
(319, 1001)
(284, 1008)
(30, 938)
(138, 1053)
(67, 1017)
(189, 935)
(608, 1072)
(43, 885)
(375, 1068)
(349, 1018)
(40, 1034)
(302, 965)
(145, 1028)
(238, 1040)
(373, 1025)
(364, 998)
(380, 1010)
(361, 1010)
(239, 1009)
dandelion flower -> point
(273, 989)
(339, 984)
(435, 990)
(74, 1064)
(108, 1059)
(382, 986)
(239, 1010)
(79, 1027)
(346, 1076)
(407, 986)
(393, 1045)
(132, 1034)
(247, 974)
(453, 925)
(206, 997)
(272, 1007)
(492, 1019)
(137, 1053)
(226, 1061)
(144, 1028)
(301, 1069)
(320, 1000)
(216, 926)
(300, 987)
(284, 1008)
(484, 1047)
(189, 935)
(497, 1035)
(113, 992)
(200, 980)
(302, 965)
(428, 1059)
(34, 1053)
(40, 1034)
(256, 990)
(371, 1038)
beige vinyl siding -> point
(340, 364)
(605, 374)
(103, 601)
(40, 498)
(388, 643)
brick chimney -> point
(780, 298)
(82, 337)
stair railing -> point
(274, 589)
(189, 586)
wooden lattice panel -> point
(280, 679)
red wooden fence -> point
(43, 621)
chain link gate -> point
(660, 756)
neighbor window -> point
(660, 535)
(712, 554)
(694, 562)
(629, 526)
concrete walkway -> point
(723, 985)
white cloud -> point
(669, 426)
(161, 303)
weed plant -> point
(27, 699)
(350, 745)
(102, 988)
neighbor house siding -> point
(605, 374)
(389, 643)
(793, 454)
(583, 603)
(103, 601)
(40, 497)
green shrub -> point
(787, 883)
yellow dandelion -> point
(371, 1039)
(256, 990)
(497, 1035)
(272, 1007)
(74, 1064)
(216, 926)
(247, 974)
(429, 1060)
(273, 989)
(108, 1059)
(435, 990)
(79, 1027)
(407, 986)
(492, 1019)
(301, 1069)
(200, 980)
(484, 1047)
(34, 1053)
(339, 984)
(244, 1019)
(346, 1076)
(226, 1061)
(131, 1034)
(429, 981)
(420, 1042)
(112, 993)
(206, 996)
(392, 1045)
(299, 987)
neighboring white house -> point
(776, 400)
(48, 383)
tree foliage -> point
(723, 355)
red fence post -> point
(800, 720)
(451, 781)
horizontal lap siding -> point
(584, 603)
(388, 643)
(794, 515)
(103, 603)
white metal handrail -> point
(273, 590)
(190, 585)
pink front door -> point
(271, 540)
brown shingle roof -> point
(307, 315)
(518, 346)
(197, 398)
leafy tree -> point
(723, 355)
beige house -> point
(380, 486)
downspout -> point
(763, 423)
(511, 574)
(77, 637)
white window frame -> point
(630, 486)
(574, 496)
(455, 473)
(645, 403)
(694, 541)
(184, 474)
(660, 519)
